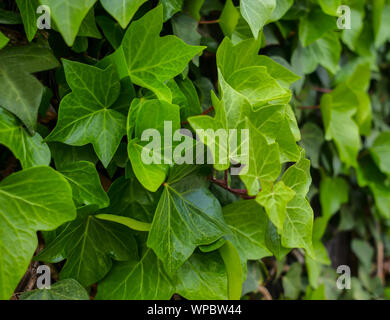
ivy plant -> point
(302, 84)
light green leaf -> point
(333, 193)
(184, 219)
(128, 222)
(149, 59)
(85, 115)
(380, 151)
(3, 40)
(84, 180)
(298, 225)
(43, 203)
(257, 13)
(122, 10)
(264, 161)
(274, 198)
(146, 115)
(137, 279)
(330, 6)
(234, 270)
(68, 16)
(30, 150)
(229, 18)
(89, 245)
(68, 289)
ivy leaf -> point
(380, 152)
(129, 199)
(68, 289)
(314, 25)
(28, 10)
(29, 150)
(3, 40)
(264, 162)
(184, 219)
(20, 92)
(68, 16)
(171, 7)
(122, 10)
(274, 198)
(84, 180)
(146, 115)
(137, 279)
(24, 211)
(85, 115)
(333, 193)
(330, 6)
(257, 13)
(247, 222)
(89, 245)
(203, 276)
(149, 59)
(337, 109)
(298, 225)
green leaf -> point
(312, 140)
(122, 10)
(137, 279)
(234, 270)
(203, 277)
(330, 6)
(89, 245)
(28, 9)
(68, 289)
(162, 58)
(20, 92)
(84, 180)
(144, 116)
(171, 7)
(264, 162)
(229, 18)
(68, 16)
(380, 151)
(314, 25)
(43, 203)
(363, 251)
(3, 40)
(292, 281)
(247, 222)
(184, 219)
(333, 193)
(29, 150)
(298, 225)
(128, 222)
(129, 199)
(257, 13)
(274, 198)
(337, 110)
(85, 115)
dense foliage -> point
(76, 195)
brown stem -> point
(323, 90)
(380, 256)
(243, 193)
(208, 21)
(264, 291)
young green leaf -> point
(44, 203)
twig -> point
(264, 291)
(380, 255)
(243, 193)
(323, 90)
(208, 21)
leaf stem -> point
(243, 193)
(208, 21)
